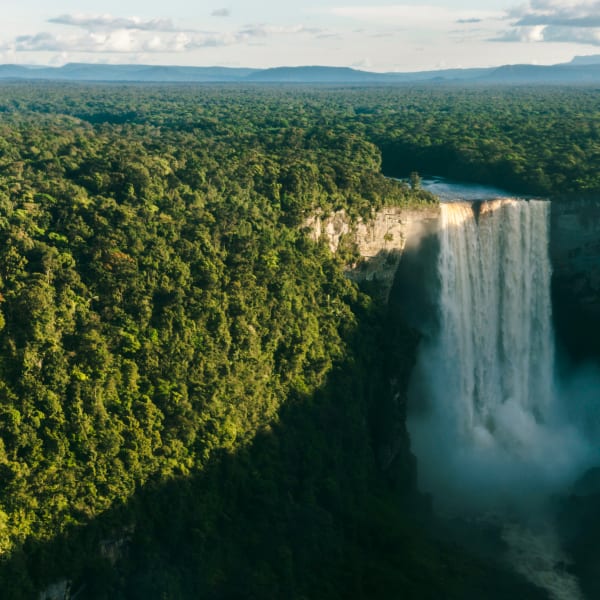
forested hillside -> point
(193, 398)
(160, 306)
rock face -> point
(579, 528)
(332, 227)
(395, 250)
(57, 591)
(396, 232)
(575, 253)
(381, 241)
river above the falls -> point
(449, 190)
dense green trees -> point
(529, 140)
(160, 301)
(174, 348)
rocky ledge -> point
(380, 242)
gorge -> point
(487, 282)
(500, 419)
(499, 425)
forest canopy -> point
(161, 305)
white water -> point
(536, 554)
(487, 425)
(488, 430)
(495, 309)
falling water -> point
(488, 426)
(496, 313)
(491, 437)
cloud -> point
(110, 23)
(472, 20)
(262, 30)
(522, 34)
(122, 41)
(221, 12)
(364, 63)
(571, 21)
(411, 13)
(383, 34)
(532, 20)
(328, 35)
(107, 34)
(571, 14)
(572, 35)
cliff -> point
(394, 250)
(396, 232)
(380, 242)
(575, 253)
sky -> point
(376, 36)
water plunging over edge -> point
(486, 424)
(487, 428)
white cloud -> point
(124, 41)
(522, 34)
(411, 14)
(221, 12)
(565, 21)
(108, 34)
(109, 23)
(569, 14)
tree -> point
(415, 181)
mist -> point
(515, 463)
(491, 426)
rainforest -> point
(198, 397)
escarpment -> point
(379, 242)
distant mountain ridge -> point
(133, 73)
(592, 59)
(581, 70)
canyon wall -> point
(380, 242)
(395, 249)
(396, 233)
(575, 255)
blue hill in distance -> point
(581, 70)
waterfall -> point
(495, 311)
(486, 423)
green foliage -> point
(190, 387)
(160, 301)
(530, 140)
